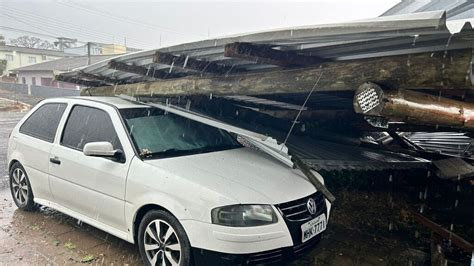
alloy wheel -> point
(162, 245)
(20, 186)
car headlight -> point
(244, 215)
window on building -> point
(46, 81)
(43, 57)
(31, 59)
(9, 57)
(33, 80)
(44, 122)
(23, 80)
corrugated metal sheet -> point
(383, 36)
(449, 143)
(456, 9)
(266, 102)
(332, 156)
(454, 168)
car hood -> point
(243, 175)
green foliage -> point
(69, 245)
(88, 259)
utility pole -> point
(88, 53)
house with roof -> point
(43, 73)
(95, 48)
(16, 57)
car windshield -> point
(158, 134)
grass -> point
(69, 245)
(87, 258)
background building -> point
(43, 73)
(16, 57)
(100, 49)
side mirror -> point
(102, 149)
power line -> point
(33, 26)
(30, 32)
(28, 15)
(29, 24)
(56, 24)
(120, 18)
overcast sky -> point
(152, 24)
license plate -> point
(313, 228)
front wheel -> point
(20, 188)
(162, 240)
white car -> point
(183, 190)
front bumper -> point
(270, 257)
(220, 245)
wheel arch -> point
(140, 213)
(11, 163)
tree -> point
(32, 42)
(2, 40)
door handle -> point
(55, 160)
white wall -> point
(22, 59)
(29, 75)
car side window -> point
(43, 123)
(88, 124)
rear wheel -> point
(162, 240)
(20, 188)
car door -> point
(34, 142)
(91, 186)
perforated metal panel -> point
(368, 100)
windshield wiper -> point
(165, 153)
(174, 152)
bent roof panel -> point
(382, 36)
(63, 64)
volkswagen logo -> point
(311, 205)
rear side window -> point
(87, 124)
(43, 123)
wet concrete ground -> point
(47, 237)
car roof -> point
(109, 100)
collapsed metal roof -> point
(454, 9)
(383, 36)
(331, 156)
(449, 143)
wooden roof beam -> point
(142, 71)
(426, 70)
(265, 54)
(87, 83)
(98, 78)
(186, 62)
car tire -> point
(157, 245)
(20, 188)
